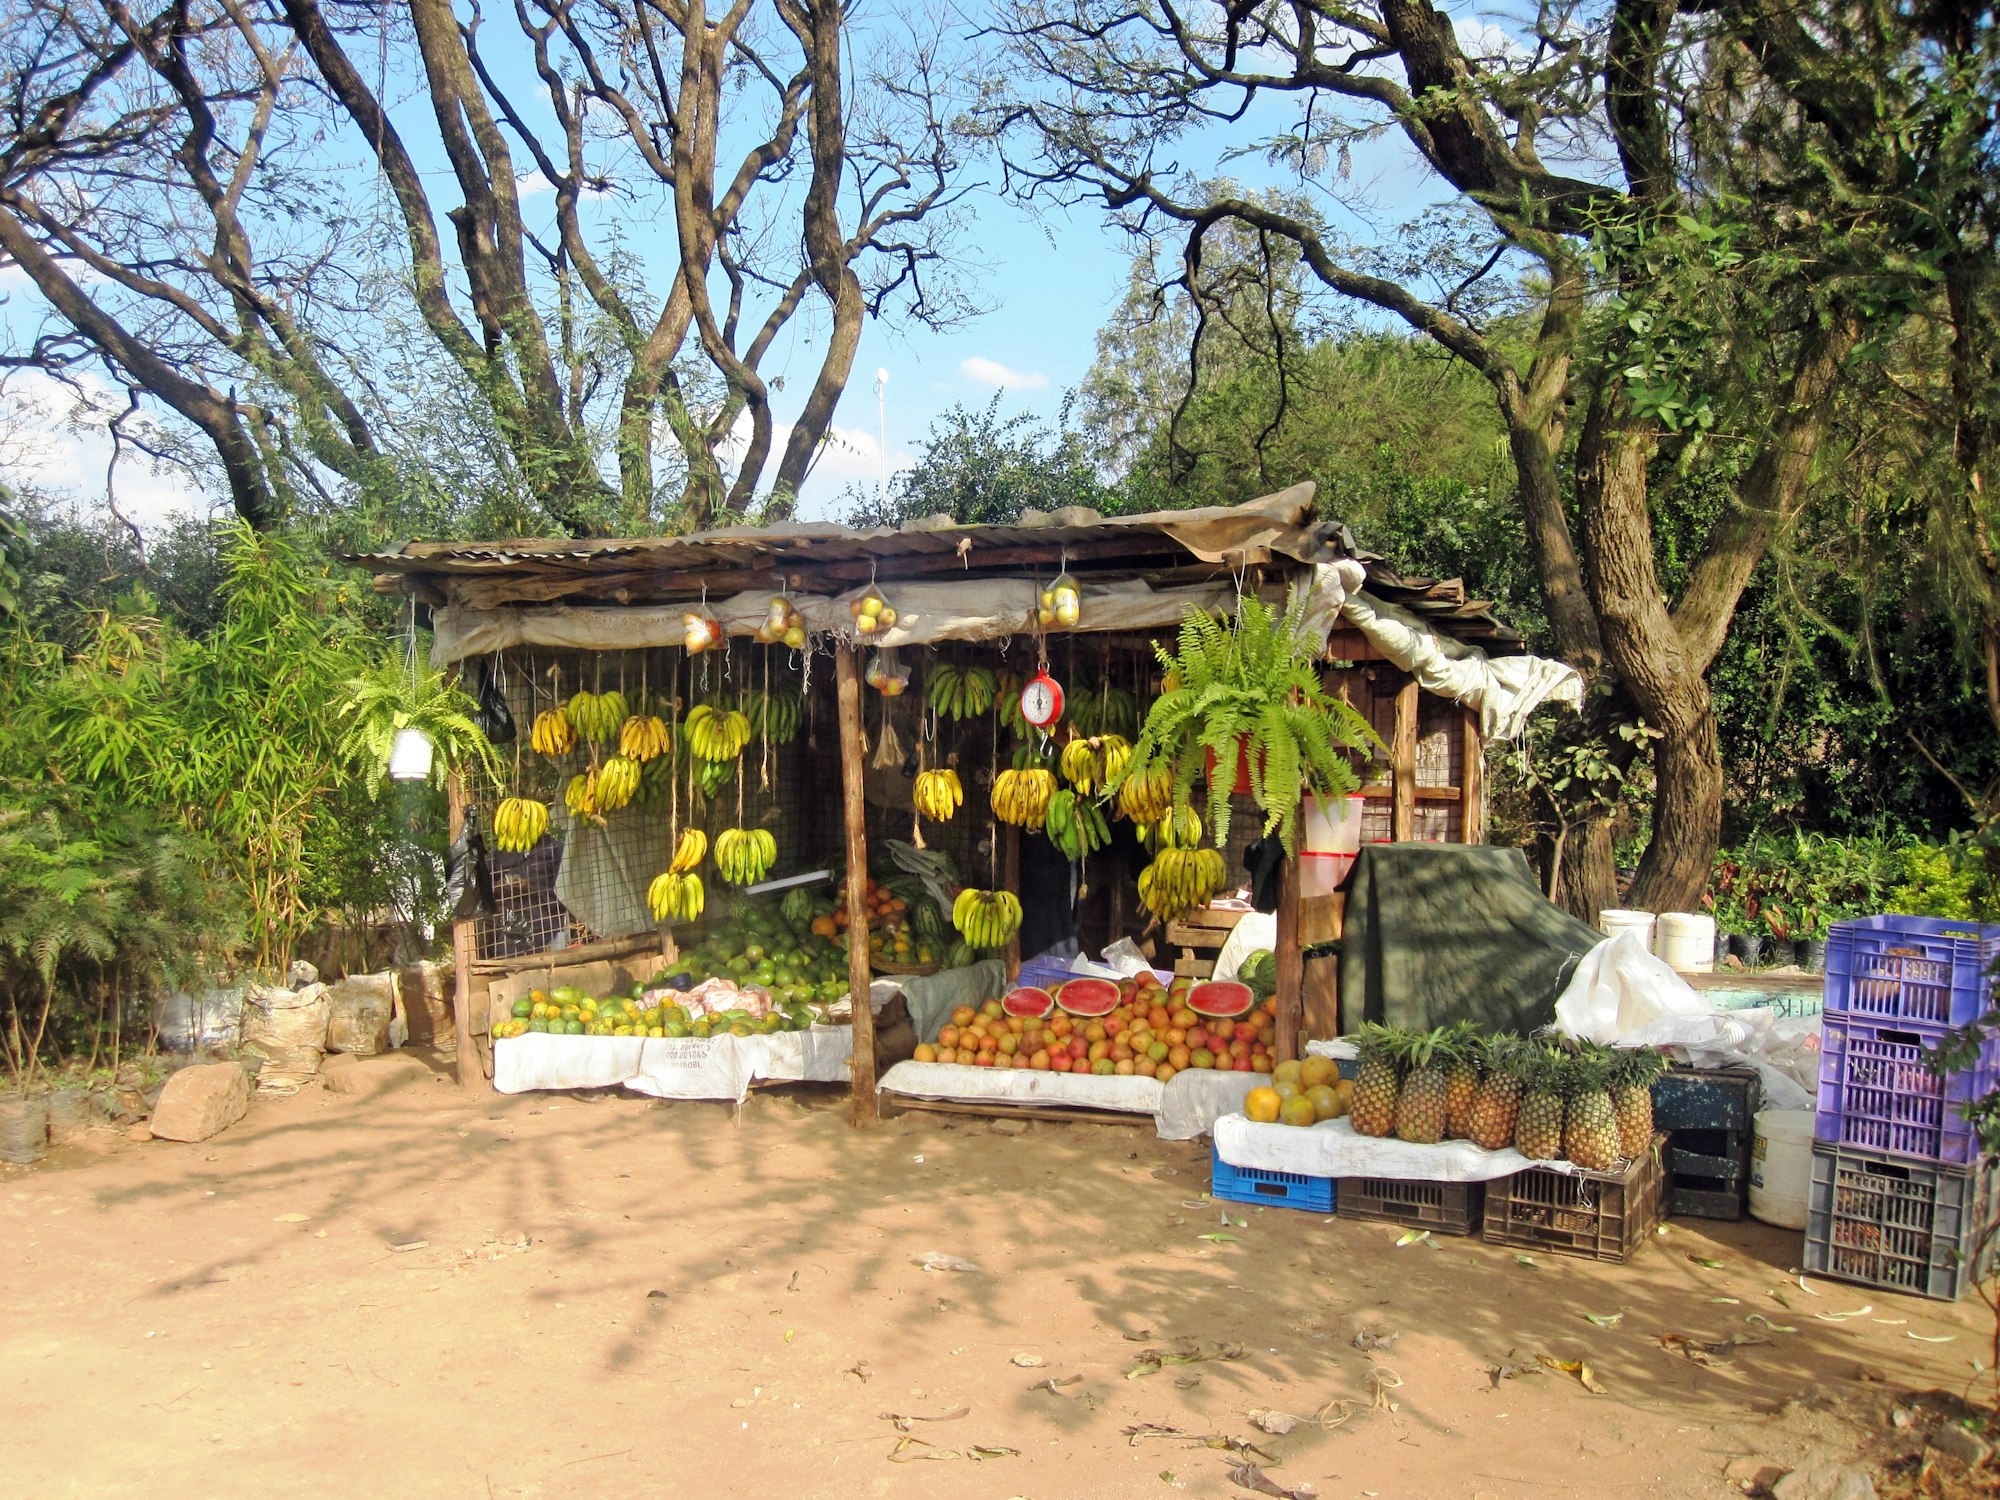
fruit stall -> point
(771, 791)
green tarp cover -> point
(1439, 933)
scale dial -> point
(1042, 700)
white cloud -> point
(849, 455)
(991, 372)
(532, 184)
(61, 445)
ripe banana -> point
(688, 852)
(1179, 880)
(1022, 797)
(1146, 796)
(519, 823)
(580, 796)
(553, 733)
(1076, 825)
(1179, 829)
(938, 794)
(676, 896)
(596, 716)
(986, 919)
(644, 738)
(716, 734)
(1091, 764)
(617, 782)
(960, 692)
(745, 855)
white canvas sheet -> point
(915, 1080)
(720, 1067)
(1332, 1149)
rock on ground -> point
(1753, 1475)
(366, 1077)
(198, 1102)
(1823, 1479)
(1969, 1448)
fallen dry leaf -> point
(1577, 1367)
(903, 1422)
(1054, 1386)
(1254, 1479)
(1705, 1352)
(292, 1219)
(931, 1260)
(1187, 1351)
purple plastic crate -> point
(1925, 970)
(1876, 1094)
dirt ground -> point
(619, 1297)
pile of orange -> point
(879, 901)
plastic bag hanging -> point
(783, 624)
(1061, 603)
(872, 612)
(494, 718)
(887, 673)
(700, 630)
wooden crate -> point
(1187, 966)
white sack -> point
(1194, 1099)
(1332, 1149)
(1257, 931)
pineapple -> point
(1461, 1080)
(1490, 1123)
(1420, 1109)
(1590, 1124)
(1373, 1111)
(1632, 1078)
(1538, 1127)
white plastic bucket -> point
(1612, 923)
(410, 755)
(1686, 941)
(1781, 1167)
(1332, 841)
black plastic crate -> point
(1707, 1099)
(1598, 1215)
(1708, 1173)
(1902, 1225)
(1443, 1207)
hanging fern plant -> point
(1252, 690)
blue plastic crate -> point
(1926, 970)
(1272, 1189)
(1876, 1092)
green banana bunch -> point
(644, 738)
(775, 716)
(553, 734)
(519, 823)
(1076, 825)
(688, 852)
(716, 734)
(597, 716)
(1101, 708)
(617, 782)
(1007, 695)
(745, 855)
(1027, 758)
(1022, 797)
(656, 782)
(1179, 880)
(961, 692)
(676, 896)
(713, 776)
(938, 794)
(986, 919)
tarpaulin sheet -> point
(1439, 933)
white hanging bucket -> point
(1612, 923)
(1332, 829)
(410, 755)
(1685, 941)
(1781, 1167)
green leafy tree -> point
(981, 468)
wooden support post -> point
(1472, 782)
(1291, 957)
(853, 774)
(1010, 879)
(1403, 765)
(464, 949)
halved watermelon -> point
(1089, 997)
(1028, 1001)
(1221, 998)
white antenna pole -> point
(882, 438)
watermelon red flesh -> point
(1089, 997)
(1221, 998)
(1028, 1001)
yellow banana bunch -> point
(688, 852)
(1147, 796)
(1076, 825)
(596, 716)
(519, 823)
(676, 896)
(1093, 763)
(745, 855)
(1179, 880)
(938, 794)
(617, 782)
(553, 733)
(644, 737)
(986, 919)
(716, 734)
(1022, 797)
(960, 692)
(580, 796)
(1179, 829)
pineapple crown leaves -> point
(1636, 1068)
(1379, 1043)
(1427, 1049)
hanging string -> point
(764, 775)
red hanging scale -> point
(1041, 699)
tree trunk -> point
(1587, 881)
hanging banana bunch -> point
(644, 738)
(775, 716)
(553, 734)
(676, 896)
(1181, 828)
(986, 919)
(597, 716)
(1022, 797)
(656, 781)
(1092, 764)
(745, 855)
(1076, 825)
(688, 852)
(938, 794)
(617, 782)
(1146, 796)
(1180, 880)
(580, 796)
(1102, 707)
(958, 693)
(1007, 698)
(519, 823)
(716, 734)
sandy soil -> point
(713, 1307)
